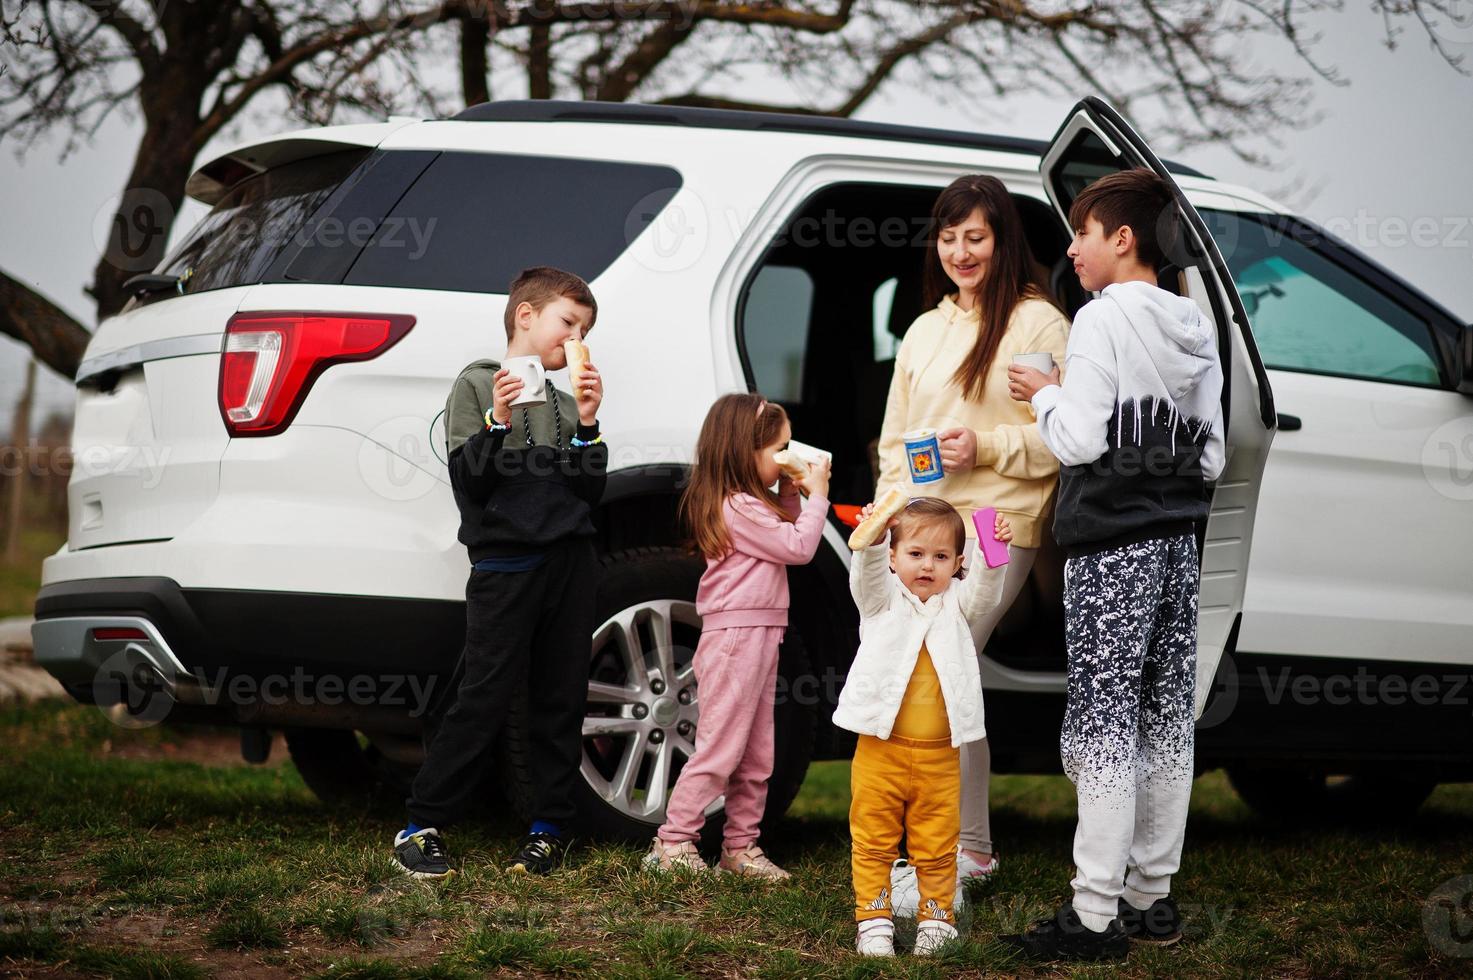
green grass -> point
(21, 579)
(120, 867)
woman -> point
(951, 375)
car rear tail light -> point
(271, 359)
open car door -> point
(1093, 141)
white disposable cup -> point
(1041, 361)
(533, 375)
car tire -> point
(647, 593)
(348, 772)
(1303, 794)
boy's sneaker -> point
(1159, 925)
(876, 938)
(1064, 937)
(931, 935)
(670, 857)
(539, 854)
(750, 861)
(422, 854)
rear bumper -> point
(249, 657)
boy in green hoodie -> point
(526, 479)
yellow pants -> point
(911, 786)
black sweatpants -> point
(530, 627)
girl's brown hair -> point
(736, 427)
(1009, 277)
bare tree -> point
(191, 68)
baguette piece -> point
(873, 527)
(792, 464)
(577, 352)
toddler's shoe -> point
(539, 854)
(752, 862)
(931, 935)
(1159, 925)
(1064, 937)
(669, 857)
(421, 854)
(876, 938)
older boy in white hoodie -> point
(1138, 430)
(914, 696)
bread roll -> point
(873, 527)
(792, 464)
(577, 352)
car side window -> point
(886, 343)
(1310, 314)
(775, 325)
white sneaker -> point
(905, 892)
(931, 935)
(966, 868)
(876, 938)
(670, 857)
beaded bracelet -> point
(496, 426)
(577, 443)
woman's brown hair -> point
(1009, 277)
(736, 427)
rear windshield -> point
(243, 234)
(421, 219)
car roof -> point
(211, 180)
(700, 117)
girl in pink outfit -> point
(748, 535)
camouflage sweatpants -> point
(1127, 738)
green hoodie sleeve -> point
(472, 447)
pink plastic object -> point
(994, 552)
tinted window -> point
(1310, 314)
(473, 221)
(882, 306)
(775, 328)
(237, 241)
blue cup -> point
(923, 453)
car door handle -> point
(1290, 423)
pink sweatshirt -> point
(749, 586)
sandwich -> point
(873, 527)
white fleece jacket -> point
(893, 624)
(1137, 424)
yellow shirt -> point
(1015, 472)
(922, 711)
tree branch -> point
(52, 335)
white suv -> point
(262, 531)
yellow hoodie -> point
(1015, 471)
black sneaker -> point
(422, 854)
(1159, 925)
(1064, 937)
(539, 854)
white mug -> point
(1042, 361)
(533, 375)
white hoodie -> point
(1137, 425)
(893, 625)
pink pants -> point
(736, 676)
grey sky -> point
(1386, 168)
